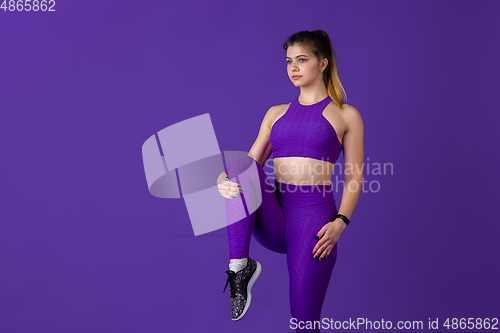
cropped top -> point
(303, 131)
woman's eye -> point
(289, 61)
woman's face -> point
(302, 66)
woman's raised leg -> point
(263, 215)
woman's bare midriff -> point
(302, 171)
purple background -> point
(84, 246)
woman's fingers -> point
(230, 190)
(324, 251)
(319, 244)
(317, 253)
(321, 248)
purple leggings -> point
(286, 221)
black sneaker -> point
(240, 285)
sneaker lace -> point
(233, 286)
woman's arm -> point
(353, 160)
(353, 171)
(262, 149)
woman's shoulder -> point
(351, 115)
(278, 109)
(349, 110)
(274, 112)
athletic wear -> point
(241, 284)
(285, 219)
(303, 131)
(238, 265)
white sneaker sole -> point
(249, 289)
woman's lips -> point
(295, 77)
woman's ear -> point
(324, 63)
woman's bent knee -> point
(240, 164)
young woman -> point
(298, 216)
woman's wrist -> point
(341, 224)
(344, 218)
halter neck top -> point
(303, 131)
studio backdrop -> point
(117, 117)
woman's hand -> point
(328, 237)
(227, 188)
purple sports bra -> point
(303, 131)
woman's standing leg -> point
(309, 277)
